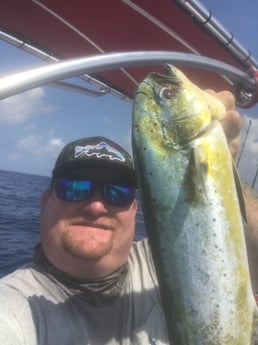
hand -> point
(232, 122)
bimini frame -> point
(53, 74)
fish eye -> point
(166, 92)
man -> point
(88, 283)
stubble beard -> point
(88, 248)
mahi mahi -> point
(193, 211)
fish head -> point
(176, 107)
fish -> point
(194, 212)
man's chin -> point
(94, 246)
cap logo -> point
(99, 150)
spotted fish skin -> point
(194, 210)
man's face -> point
(81, 232)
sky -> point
(35, 125)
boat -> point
(112, 45)
(115, 52)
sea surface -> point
(19, 218)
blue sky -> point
(35, 125)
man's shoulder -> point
(141, 246)
(24, 280)
(140, 259)
(21, 271)
(141, 252)
(16, 291)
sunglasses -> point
(77, 190)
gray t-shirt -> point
(38, 308)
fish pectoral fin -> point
(201, 168)
(239, 192)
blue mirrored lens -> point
(115, 195)
(73, 190)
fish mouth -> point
(167, 79)
(168, 76)
(138, 92)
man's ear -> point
(44, 198)
(135, 205)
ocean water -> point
(19, 218)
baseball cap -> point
(94, 152)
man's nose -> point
(96, 204)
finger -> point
(210, 91)
(234, 146)
(232, 124)
(226, 97)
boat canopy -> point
(149, 33)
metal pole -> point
(243, 146)
(255, 177)
(27, 80)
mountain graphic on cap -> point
(99, 150)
